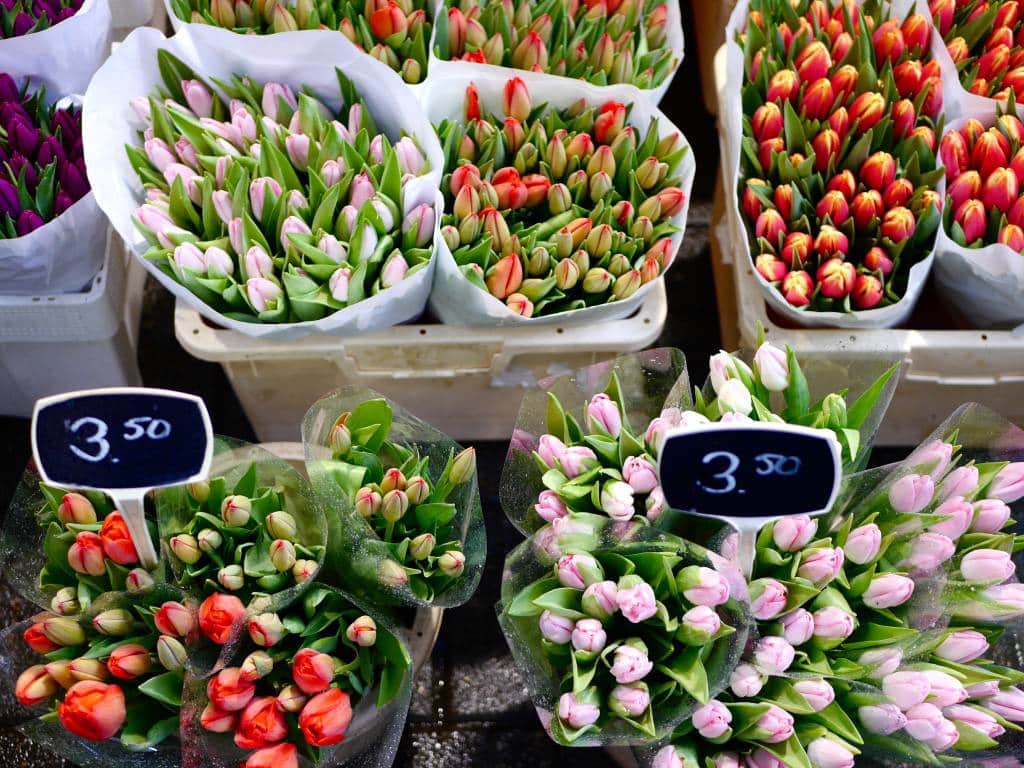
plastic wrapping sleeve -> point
(371, 740)
(454, 299)
(109, 125)
(16, 656)
(34, 546)
(985, 286)
(730, 134)
(247, 465)
(64, 56)
(357, 557)
(649, 382)
(528, 572)
(441, 68)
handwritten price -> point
(767, 464)
(134, 429)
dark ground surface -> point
(469, 707)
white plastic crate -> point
(50, 344)
(467, 382)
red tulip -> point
(117, 541)
(942, 11)
(877, 260)
(783, 86)
(174, 619)
(261, 724)
(129, 661)
(904, 118)
(1012, 236)
(826, 146)
(830, 242)
(1014, 79)
(755, 63)
(472, 103)
(866, 110)
(389, 24)
(511, 195)
(1011, 127)
(505, 276)
(898, 224)
(844, 81)
(537, 187)
(75, 508)
(1016, 214)
(783, 199)
(834, 206)
(771, 268)
(1007, 15)
(813, 62)
(516, 99)
(767, 121)
(964, 187)
(217, 720)
(932, 104)
(972, 220)
(218, 615)
(817, 99)
(1002, 36)
(34, 686)
(37, 640)
(279, 756)
(926, 134)
(958, 50)
(86, 554)
(312, 671)
(770, 226)
(978, 10)
(929, 198)
(841, 46)
(818, 13)
(843, 182)
(797, 288)
(979, 87)
(835, 277)
(888, 42)
(230, 690)
(766, 149)
(325, 718)
(908, 75)
(839, 121)
(916, 33)
(993, 63)
(878, 171)
(954, 153)
(672, 200)
(866, 207)
(867, 291)
(751, 203)
(609, 122)
(797, 249)
(1000, 189)
(92, 710)
(898, 193)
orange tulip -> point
(117, 541)
(326, 717)
(262, 723)
(279, 756)
(217, 616)
(93, 710)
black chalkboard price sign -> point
(742, 471)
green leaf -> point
(523, 605)
(858, 413)
(375, 414)
(790, 753)
(165, 688)
(562, 601)
(688, 670)
(432, 516)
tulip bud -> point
(835, 276)
(367, 502)
(235, 510)
(972, 219)
(282, 555)
(171, 653)
(65, 602)
(394, 505)
(116, 622)
(75, 508)
(231, 577)
(452, 563)
(266, 630)
(797, 288)
(185, 548)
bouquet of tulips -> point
(978, 262)
(304, 688)
(395, 33)
(556, 209)
(623, 41)
(838, 182)
(620, 633)
(408, 527)
(251, 538)
(984, 42)
(879, 627)
(18, 18)
(116, 671)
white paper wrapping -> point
(455, 300)
(674, 40)
(730, 133)
(66, 55)
(109, 123)
(984, 285)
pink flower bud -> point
(577, 460)
(599, 599)
(712, 720)
(198, 97)
(549, 506)
(775, 725)
(826, 753)
(667, 757)
(640, 474)
(258, 263)
(575, 713)
(762, 758)
(630, 700)
(617, 500)
(881, 662)
(293, 225)
(797, 626)
(394, 271)
(703, 586)
(1008, 704)
(159, 154)
(273, 95)
(987, 566)
(588, 635)
(793, 533)
(745, 681)
(338, 284)
(990, 516)
(773, 655)
(817, 693)
(578, 571)
(924, 722)
(963, 646)
(959, 514)
(888, 591)
(551, 451)
(928, 551)
(911, 493)
(820, 566)
(932, 459)
(906, 689)
(767, 598)
(655, 504)
(557, 629)
(263, 294)
(630, 664)
(603, 414)
(699, 625)
(1008, 484)
(188, 256)
(832, 624)
(975, 718)
(863, 543)
(962, 481)
(882, 719)
(362, 190)
(636, 601)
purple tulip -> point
(8, 88)
(23, 23)
(49, 151)
(23, 168)
(74, 181)
(9, 202)
(28, 221)
(62, 202)
(24, 138)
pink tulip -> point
(617, 500)
(410, 159)
(832, 624)
(630, 664)
(791, 534)
(924, 722)
(578, 571)
(975, 718)
(603, 413)
(881, 662)
(932, 459)
(928, 551)
(588, 635)
(983, 690)
(817, 693)
(636, 601)
(712, 720)
(273, 94)
(863, 543)
(159, 154)
(1008, 484)
(821, 566)
(575, 713)
(773, 655)
(630, 700)
(549, 506)
(797, 626)
(959, 514)
(762, 758)
(599, 599)
(911, 493)
(888, 591)
(906, 689)
(189, 178)
(655, 504)
(946, 690)
(826, 753)
(775, 725)
(963, 646)
(263, 294)
(767, 598)
(577, 460)
(338, 284)
(257, 193)
(551, 451)
(258, 263)
(1008, 704)
(667, 757)
(699, 625)
(962, 481)
(188, 256)
(987, 566)
(557, 629)
(394, 271)
(745, 681)
(198, 97)
(703, 586)
(882, 719)
(422, 218)
(990, 516)
(293, 225)
(640, 474)
(361, 191)
(223, 205)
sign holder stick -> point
(133, 509)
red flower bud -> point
(755, 63)
(964, 187)
(865, 207)
(866, 110)
(262, 724)
(972, 220)
(993, 63)
(767, 121)
(954, 153)
(878, 171)
(898, 224)
(835, 277)
(218, 614)
(903, 118)
(926, 134)
(92, 710)
(817, 13)
(1013, 236)
(505, 276)
(916, 33)
(609, 121)
(841, 46)
(783, 86)
(512, 194)
(839, 121)
(844, 81)
(325, 718)
(472, 103)
(898, 193)
(783, 199)
(929, 198)
(888, 42)
(1000, 189)
(844, 182)
(464, 175)
(771, 268)
(813, 62)
(867, 291)
(537, 187)
(767, 148)
(117, 541)
(942, 12)
(771, 226)
(932, 104)
(1000, 36)
(797, 288)
(972, 129)
(1014, 79)
(826, 146)
(830, 242)
(796, 251)
(37, 640)
(908, 75)
(979, 87)
(834, 206)
(1016, 214)
(1007, 15)
(751, 203)
(958, 49)
(877, 260)
(1011, 127)
(817, 99)
(390, 24)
